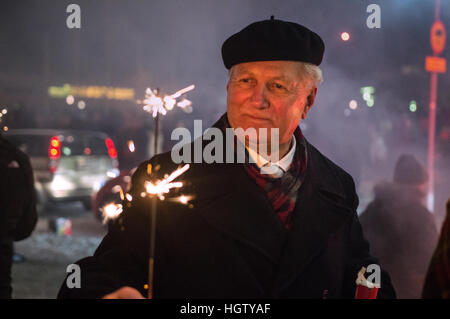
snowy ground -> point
(48, 254)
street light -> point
(345, 36)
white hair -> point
(312, 71)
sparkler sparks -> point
(164, 186)
(183, 199)
(118, 189)
(156, 104)
(182, 91)
(184, 103)
(111, 211)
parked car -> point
(68, 165)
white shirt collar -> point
(276, 169)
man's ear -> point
(309, 102)
(311, 97)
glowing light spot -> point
(67, 151)
(345, 36)
(70, 99)
(81, 105)
(131, 146)
(183, 199)
(413, 106)
(353, 104)
(55, 143)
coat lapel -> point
(319, 213)
(241, 210)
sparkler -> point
(157, 105)
(112, 210)
(156, 190)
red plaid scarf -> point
(282, 192)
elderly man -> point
(293, 233)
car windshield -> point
(71, 145)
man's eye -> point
(244, 80)
(278, 86)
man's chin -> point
(255, 124)
(258, 121)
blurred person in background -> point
(437, 282)
(18, 214)
(401, 231)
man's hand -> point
(124, 293)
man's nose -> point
(259, 97)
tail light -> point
(112, 151)
(54, 152)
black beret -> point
(271, 40)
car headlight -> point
(60, 183)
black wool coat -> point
(18, 215)
(229, 243)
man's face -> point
(268, 94)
